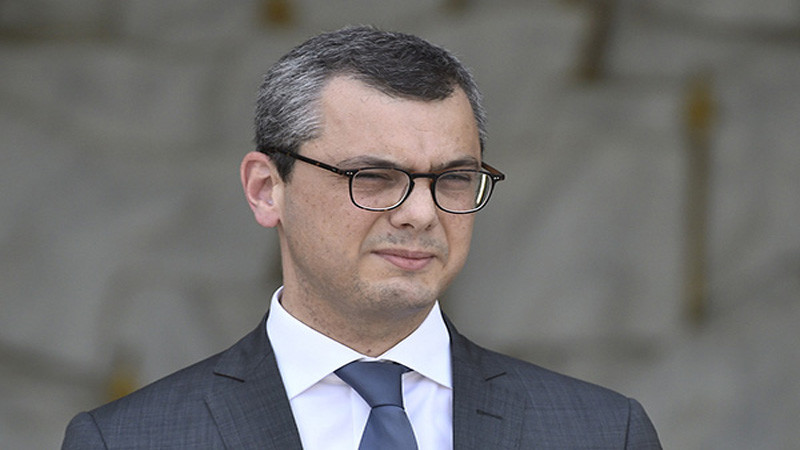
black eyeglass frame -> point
(494, 175)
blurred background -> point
(646, 239)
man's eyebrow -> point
(468, 162)
(376, 161)
(366, 161)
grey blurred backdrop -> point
(646, 239)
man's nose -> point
(419, 209)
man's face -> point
(342, 260)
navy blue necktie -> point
(378, 383)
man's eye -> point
(457, 178)
(374, 175)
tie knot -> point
(378, 383)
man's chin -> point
(406, 294)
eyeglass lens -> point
(456, 191)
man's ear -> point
(262, 187)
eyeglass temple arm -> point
(496, 174)
(315, 162)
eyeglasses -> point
(461, 191)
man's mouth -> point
(406, 259)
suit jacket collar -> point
(485, 413)
(248, 400)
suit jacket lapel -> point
(248, 400)
(249, 404)
(485, 413)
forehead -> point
(357, 120)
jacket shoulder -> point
(525, 377)
(151, 416)
(171, 412)
(562, 411)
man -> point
(369, 165)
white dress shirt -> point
(331, 415)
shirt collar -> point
(426, 350)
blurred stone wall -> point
(128, 250)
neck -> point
(369, 334)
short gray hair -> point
(397, 64)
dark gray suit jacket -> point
(236, 400)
